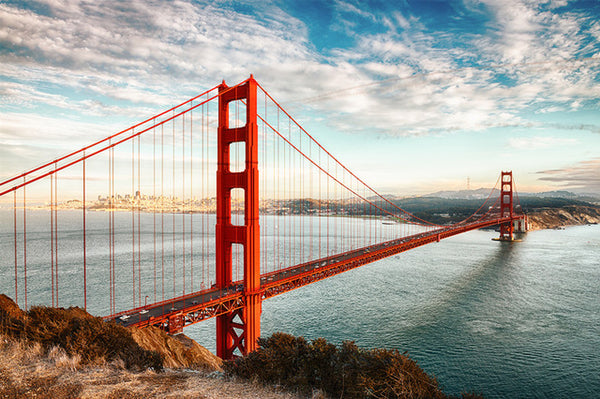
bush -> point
(347, 371)
(78, 333)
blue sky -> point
(413, 96)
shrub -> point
(78, 333)
(346, 371)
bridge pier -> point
(238, 330)
(521, 225)
(175, 324)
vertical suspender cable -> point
(278, 201)
(275, 198)
(154, 203)
(52, 236)
(310, 191)
(293, 197)
(112, 231)
(183, 196)
(15, 240)
(84, 242)
(25, 240)
(173, 203)
(132, 199)
(203, 196)
(286, 190)
(289, 259)
(206, 143)
(264, 191)
(162, 209)
(328, 212)
(139, 199)
(205, 190)
(110, 276)
(56, 232)
(301, 198)
(191, 202)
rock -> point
(178, 351)
(551, 218)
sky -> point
(414, 96)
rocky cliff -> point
(571, 215)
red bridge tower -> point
(238, 329)
(506, 206)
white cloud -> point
(138, 57)
(534, 143)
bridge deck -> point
(201, 305)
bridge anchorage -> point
(205, 210)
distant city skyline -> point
(412, 96)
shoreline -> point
(539, 219)
(556, 218)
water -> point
(502, 319)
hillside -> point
(29, 371)
(571, 215)
(67, 353)
(543, 212)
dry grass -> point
(177, 351)
(26, 370)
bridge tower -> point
(506, 206)
(238, 329)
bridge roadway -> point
(176, 313)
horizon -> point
(35, 202)
(448, 92)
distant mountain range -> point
(464, 194)
(482, 193)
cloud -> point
(132, 59)
(538, 142)
(582, 177)
(26, 140)
(149, 46)
(528, 61)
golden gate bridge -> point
(227, 201)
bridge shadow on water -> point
(459, 330)
(489, 280)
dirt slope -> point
(178, 351)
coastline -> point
(556, 218)
(539, 218)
